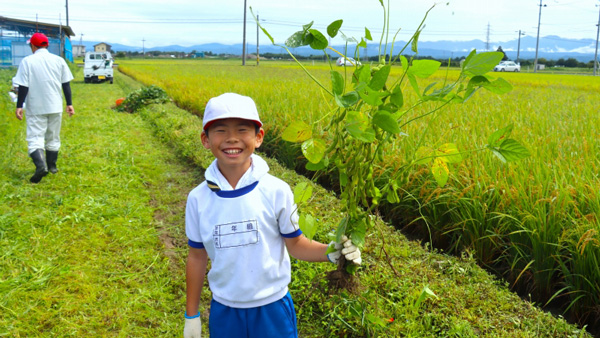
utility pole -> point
(487, 40)
(244, 41)
(67, 6)
(257, 48)
(81, 49)
(143, 48)
(537, 43)
(597, 35)
(519, 45)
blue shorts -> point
(277, 319)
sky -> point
(155, 23)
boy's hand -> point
(193, 328)
(346, 248)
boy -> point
(244, 219)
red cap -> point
(38, 40)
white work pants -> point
(43, 131)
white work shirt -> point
(44, 73)
(243, 233)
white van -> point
(98, 67)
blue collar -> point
(237, 192)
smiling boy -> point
(245, 221)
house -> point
(78, 50)
(102, 47)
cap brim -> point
(208, 124)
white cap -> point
(230, 106)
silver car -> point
(507, 66)
(347, 61)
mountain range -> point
(550, 47)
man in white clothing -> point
(40, 78)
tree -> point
(571, 62)
(504, 57)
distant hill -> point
(551, 47)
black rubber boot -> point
(40, 166)
(51, 157)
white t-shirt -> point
(242, 231)
(44, 73)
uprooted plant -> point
(370, 114)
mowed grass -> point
(81, 252)
(535, 222)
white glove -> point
(346, 248)
(193, 328)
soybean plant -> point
(351, 139)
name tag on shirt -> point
(238, 234)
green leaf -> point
(319, 41)
(347, 100)
(315, 166)
(404, 62)
(397, 98)
(474, 83)
(499, 136)
(368, 95)
(343, 178)
(308, 225)
(368, 34)
(423, 155)
(337, 83)
(380, 77)
(448, 153)
(500, 86)
(440, 172)
(385, 121)
(424, 68)
(512, 150)
(298, 131)
(302, 192)
(314, 149)
(300, 38)
(429, 292)
(479, 64)
(357, 125)
(363, 43)
(415, 42)
(359, 230)
(296, 40)
(468, 59)
(362, 74)
(307, 26)
(331, 248)
(477, 81)
(413, 83)
(341, 229)
(334, 27)
(392, 196)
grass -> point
(99, 248)
(81, 251)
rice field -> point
(535, 222)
